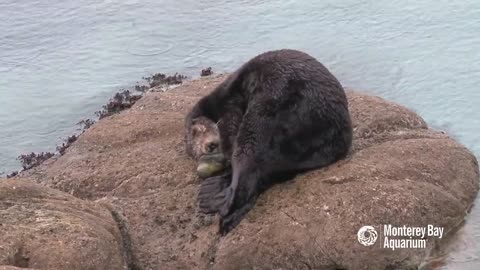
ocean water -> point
(61, 60)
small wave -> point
(167, 49)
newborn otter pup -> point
(280, 113)
(203, 144)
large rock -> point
(43, 228)
(6, 267)
(399, 172)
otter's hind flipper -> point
(215, 195)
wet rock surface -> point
(399, 172)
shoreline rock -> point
(43, 228)
(399, 172)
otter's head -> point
(205, 137)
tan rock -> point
(43, 228)
(5, 267)
(399, 172)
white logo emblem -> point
(367, 236)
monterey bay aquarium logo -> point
(393, 237)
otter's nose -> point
(211, 147)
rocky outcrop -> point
(399, 172)
(5, 267)
(43, 228)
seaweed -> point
(12, 174)
(70, 140)
(160, 79)
(206, 72)
(125, 99)
(121, 101)
(33, 159)
(141, 88)
(86, 124)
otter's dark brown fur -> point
(280, 113)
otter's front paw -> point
(215, 195)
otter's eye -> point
(212, 147)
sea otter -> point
(281, 112)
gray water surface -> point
(61, 60)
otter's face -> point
(205, 137)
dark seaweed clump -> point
(206, 72)
(86, 124)
(121, 101)
(125, 98)
(33, 159)
(161, 79)
(141, 88)
(12, 174)
(71, 139)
